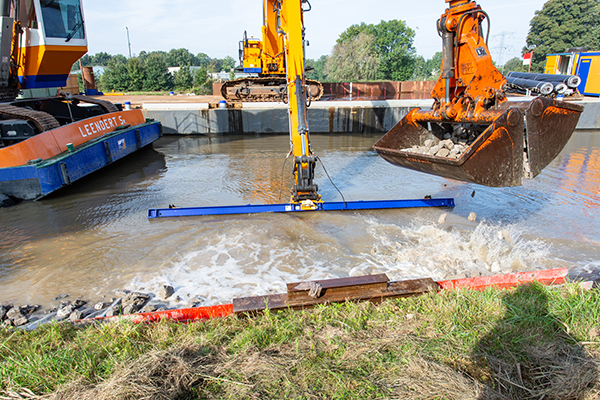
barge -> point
(34, 167)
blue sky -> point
(215, 27)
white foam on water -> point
(424, 249)
(235, 266)
(260, 257)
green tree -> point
(161, 55)
(215, 65)
(420, 69)
(180, 58)
(228, 63)
(184, 80)
(86, 61)
(157, 74)
(80, 83)
(354, 59)
(428, 70)
(101, 59)
(562, 24)
(433, 67)
(203, 60)
(115, 77)
(136, 74)
(393, 46)
(318, 71)
(142, 56)
(200, 77)
(514, 64)
(202, 84)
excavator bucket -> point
(498, 148)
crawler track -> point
(231, 89)
(106, 105)
(42, 120)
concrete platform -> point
(192, 115)
(263, 118)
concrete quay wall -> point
(324, 117)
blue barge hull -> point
(40, 178)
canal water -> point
(94, 237)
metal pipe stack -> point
(545, 84)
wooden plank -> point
(260, 303)
(336, 295)
(341, 282)
(375, 289)
(412, 287)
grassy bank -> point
(534, 342)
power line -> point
(502, 46)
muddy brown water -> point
(94, 237)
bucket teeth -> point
(495, 149)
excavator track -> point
(42, 120)
(241, 89)
(106, 105)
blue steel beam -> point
(279, 208)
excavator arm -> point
(290, 17)
(472, 133)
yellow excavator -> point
(501, 142)
(267, 58)
(472, 133)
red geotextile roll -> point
(186, 314)
(546, 277)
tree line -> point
(557, 27)
(368, 52)
(149, 71)
(363, 52)
(385, 51)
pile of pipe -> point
(545, 84)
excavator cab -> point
(51, 37)
(473, 133)
(250, 54)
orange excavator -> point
(473, 133)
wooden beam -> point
(372, 288)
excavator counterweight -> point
(473, 133)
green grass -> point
(526, 343)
